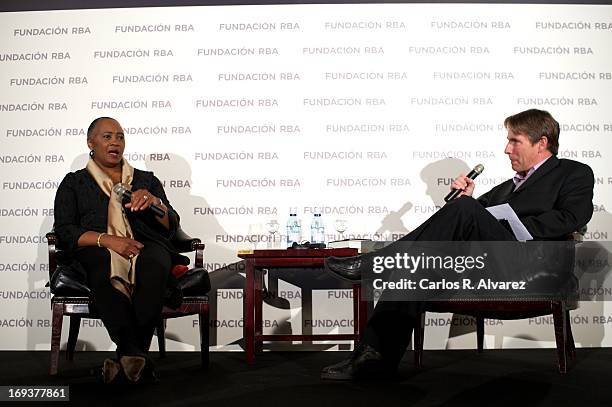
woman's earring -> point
(91, 153)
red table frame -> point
(258, 260)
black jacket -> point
(80, 205)
(556, 200)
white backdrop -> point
(361, 112)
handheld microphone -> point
(471, 175)
(124, 193)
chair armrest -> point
(52, 251)
(185, 243)
(181, 240)
(577, 236)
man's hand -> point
(124, 246)
(465, 184)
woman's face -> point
(108, 142)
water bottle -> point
(317, 229)
(294, 230)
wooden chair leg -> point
(480, 334)
(160, 330)
(204, 323)
(356, 321)
(213, 315)
(364, 312)
(56, 336)
(419, 338)
(570, 345)
(73, 335)
(560, 322)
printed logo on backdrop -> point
(235, 110)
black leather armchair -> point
(509, 309)
(71, 298)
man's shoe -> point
(347, 268)
(364, 363)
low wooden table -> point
(257, 261)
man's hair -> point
(535, 124)
(93, 124)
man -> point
(552, 197)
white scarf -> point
(122, 273)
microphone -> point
(124, 193)
(471, 175)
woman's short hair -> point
(93, 124)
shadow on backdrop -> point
(41, 309)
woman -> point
(124, 247)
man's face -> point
(108, 143)
(524, 155)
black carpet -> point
(499, 378)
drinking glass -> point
(341, 226)
(255, 230)
(272, 227)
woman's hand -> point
(142, 199)
(124, 246)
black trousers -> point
(130, 324)
(390, 327)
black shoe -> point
(364, 363)
(347, 268)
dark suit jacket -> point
(80, 205)
(556, 200)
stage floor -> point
(516, 378)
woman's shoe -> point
(133, 367)
(112, 372)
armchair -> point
(76, 304)
(509, 310)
